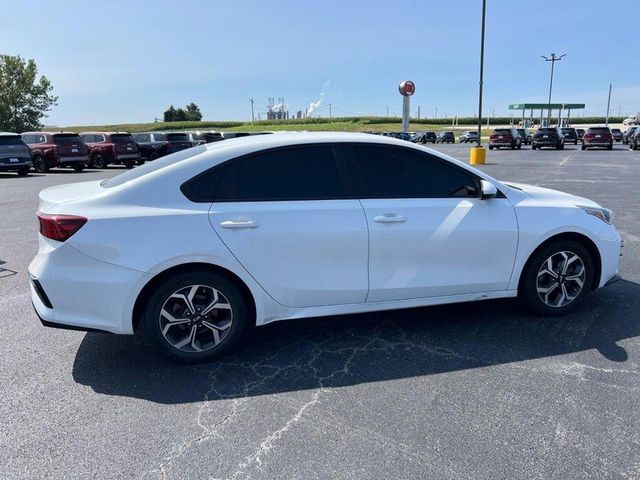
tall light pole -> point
(608, 105)
(484, 15)
(253, 118)
(553, 59)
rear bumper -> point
(126, 156)
(81, 293)
(596, 144)
(10, 167)
(73, 160)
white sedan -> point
(193, 248)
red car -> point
(56, 149)
(505, 137)
(106, 148)
(597, 137)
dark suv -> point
(106, 148)
(469, 136)
(505, 137)
(62, 149)
(570, 135)
(597, 137)
(616, 133)
(446, 137)
(548, 137)
(14, 154)
(425, 137)
(154, 145)
(634, 141)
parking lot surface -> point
(479, 390)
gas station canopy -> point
(545, 106)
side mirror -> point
(487, 190)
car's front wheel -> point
(557, 278)
(195, 317)
(40, 164)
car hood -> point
(551, 197)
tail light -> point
(59, 227)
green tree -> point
(24, 98)
(193, 112)
(170, 114)
(181, 115)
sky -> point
(126, 62)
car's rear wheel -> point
(195, 316)
(99, 160)
(557, 278)
(610, 147)
(129, 164)
(40, 164)
(78, 167)
(23, 172)
(584, 147)
(154, 156)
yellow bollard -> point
(478, 155)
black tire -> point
(23, 172)
(78, 167)
(154, 156)
(140, 161)
(490, 147)
(584, 147)
(99, 160)
(610, 147)
(533, 147)
(242, 316)
(576, 142)
(129, 164)
(519, 147)
(40, 164)
(528, 291)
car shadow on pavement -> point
(356, 349)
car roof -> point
(50, 133)
(103, 133)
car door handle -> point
(389, 218)
(239, 224)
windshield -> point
(150, 167)
(11, 140)
(66, 138)
(121, 138)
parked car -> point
(56, 149)
(446, 137)
(505, 137)
(469, 136)
(154, 145)
(266, 253)
(597, 137)
(106, 148)
(14, 154)
(616, 133)
(629, 132)
(198, 138)
(580, 132)
(634, 141)
(525, 135)
(548, 137)
(425, 137)
(570, 135)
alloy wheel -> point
(195, 318)
(560, 279)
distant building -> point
(277, 110)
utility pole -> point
(436, 112)
(329, 110)
(387, 111)
(553, 59)
(418, 112)
(484, 16)
(608, 106)
(253, 118)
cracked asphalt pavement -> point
(478, 390)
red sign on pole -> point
(407, 88)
